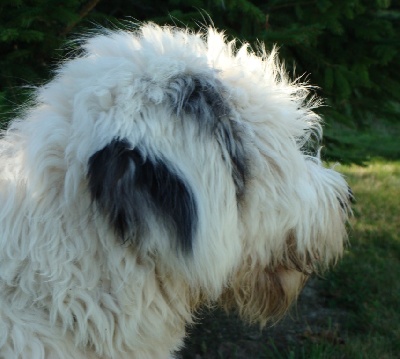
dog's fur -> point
(160, 170)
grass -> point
(366, 283)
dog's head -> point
(200, 154)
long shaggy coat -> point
(160, 170)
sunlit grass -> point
(377, 190)
(366, 283)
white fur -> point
(68, 287)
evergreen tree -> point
(350, 48)
(32, 33)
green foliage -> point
(353, 145)
(30, 31)
(350, 48)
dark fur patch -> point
(230, 137)
(126, 186)
(346, 204)
(203, 99)
(198, 97)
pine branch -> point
(292, 4)
(84, 12)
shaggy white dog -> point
(160, 170)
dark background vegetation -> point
(348, 49)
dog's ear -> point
(126, 185)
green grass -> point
(366, 283)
